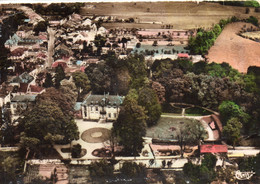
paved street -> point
(51, 41)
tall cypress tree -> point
(59, 76)
(48, 81)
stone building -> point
(96, 107)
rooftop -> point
(23, 78)
(24, 98)
(106, 99)
(208, 148)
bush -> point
(252, 20)
(131, 169)
(138, 45)
(75, 151)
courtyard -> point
(92, 136)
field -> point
(182, 15)
(239, 52)
(252, 35)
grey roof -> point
(77, 106)
(102, 100)
(23, 78)
(24, 98)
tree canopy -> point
(232, 130)
(130, 125)
(148, 99)
(48, 124)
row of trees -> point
(102, 170)
(204, 39)
(62, 9)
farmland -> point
(155, 14)
(239, 52)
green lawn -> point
(163, 129)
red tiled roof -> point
(214, 148)
(18, 52)
(23, 88)
(183, 55)
(82, 68)
(57, 63)
(36, 89)
(41, 55)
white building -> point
(96, 107)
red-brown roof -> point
(18, 52)
(36, 89)
(183, 55)
(23, 88)
(213, 148)
(57, 63)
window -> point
(109, 115)
(114, 115)
(96, 108)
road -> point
(51, 41)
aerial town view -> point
(130, 93)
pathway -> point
(90, 147)
(51, 42)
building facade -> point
(96, 107)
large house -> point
(96, 107)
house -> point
(20, 103)
(23, 78)
(12, 41)
(96, 107)
(29, 89)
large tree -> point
(100, 77)
(64, 100)
(48, 81)
(82, 82)
(130, 125)
(100, 170)
(229, 109)
(48, 124)
(232, 131)
(149, 100)
(4, 63)
(59, 75)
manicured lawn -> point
(195, 111)
(163, 129)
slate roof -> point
(23, 78)
(103, 100)
(24, 98)
(77, 106)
